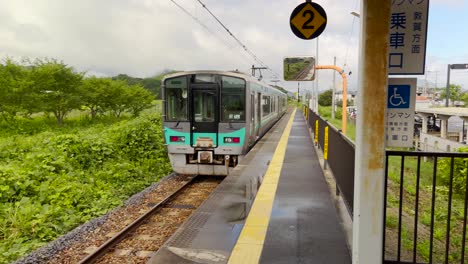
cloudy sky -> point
(144, 37)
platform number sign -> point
(308, 20)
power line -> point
(238, 41)
(243, 56)
(200, 23)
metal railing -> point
(340, 156)
(425, 207)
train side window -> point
(232, 99)
(176, 99)
(266, 105)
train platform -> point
(275, 207)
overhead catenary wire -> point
(199, 22)
(244, 47)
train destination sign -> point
(308, 20)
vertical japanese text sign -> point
(408, 34)
(401, 100)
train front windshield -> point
(232, 103)
(233, 99)
(176, 99)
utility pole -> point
(447, 89)
(315, 103)
(298, 83)
(334, 89)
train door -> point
(204, 113)
(278, 105)
(258, 119)
(252, 118)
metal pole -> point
(298, 92)
(369, 183)
(447, 89)
(334, 89)
(316, 76)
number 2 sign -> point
(308, 20)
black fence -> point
(425, 207)
(340, 156)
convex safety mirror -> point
(299, 69)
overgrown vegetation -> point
(71, 149)
(52, 87)
(62, 176)
(325, 113)
(425, 208)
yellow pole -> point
(316, 131)
(325, 148)
(345, 91)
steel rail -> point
(110, 243)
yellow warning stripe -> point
(249, 246)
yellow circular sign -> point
(308, 20)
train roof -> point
(237, 74)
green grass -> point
(424, 211)
(325, 113)
(53, 178)
(294, 69)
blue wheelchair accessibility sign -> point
(399, 96)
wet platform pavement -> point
(303, 226)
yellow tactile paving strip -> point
(249, 246)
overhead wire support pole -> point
(345, 89)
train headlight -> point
(177, 139)
(231, 140)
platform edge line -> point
(255, 233)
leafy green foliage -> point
(459, 172)
(325, 98)
(56, 87)
(14, 85)
(61, 177)
(152, 84)
(51, 87)
(455, 93)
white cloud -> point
(144, 37)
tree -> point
(116, 97)
(93, 94)
(57, 87)
(325, 98)
(455, 93)
(14, 87)
(138, 99)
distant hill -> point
(153, 84)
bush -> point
(54, 181)
(459, 172)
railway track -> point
(303, 73)
(141, 238)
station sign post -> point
(401, 98)
(408, 35)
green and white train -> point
(213, 118)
